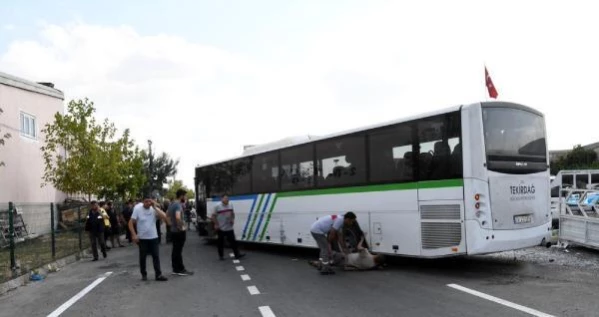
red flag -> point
(490, 87)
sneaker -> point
(95, 259)
(239, 256)
(184, 273)
(161, 278)
(144, 278)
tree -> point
(577, 158)
(162, 168)
(174, 186)
(3, 138)
(82, 156)
(72, 150)
(123, 166)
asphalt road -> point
(288, 286)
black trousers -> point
(150, 247)
(178, 239)
(95, 238)
(230, 236)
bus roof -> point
(342, 133)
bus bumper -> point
(482, 241)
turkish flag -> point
(490, 87)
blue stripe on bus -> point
(247, 221)
(261, 217)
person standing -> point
(94, 225)
(178, 233)
(144, 219)
(125, 217)
(328, 231)
(115, 228)
(223, 219)
(106, 223)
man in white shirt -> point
(146, 236)
(328, 230)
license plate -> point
(522, 219)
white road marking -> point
(79, 295)
(232, 255)
(253, 290)
(236, 261)
(239, 268)
(500, 301)
(266, 311)
(245, 277)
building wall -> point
(21, 177)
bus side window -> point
(341, 161)
(391, 154)
(242, 170)
(265, 173)
(437, 136)
(297, 167)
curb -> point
(23, 280)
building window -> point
(391, 156)
(28, 125)
(341, 161)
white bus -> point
(471, 179)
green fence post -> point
(53, 230)
(11, 236)
(79, 228)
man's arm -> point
(161, 214)
(213, 218)
(132, 224)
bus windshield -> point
(514, 140)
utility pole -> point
(151, 170)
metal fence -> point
(35, 234)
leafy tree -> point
(577, 158)
(162, 168)
(174, 186)
(3, 138)
(82, 156)
(72, 150)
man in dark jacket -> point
(95, 228)
(126, 215)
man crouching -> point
(356, 261)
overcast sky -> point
(203, 78)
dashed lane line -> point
(266, 311)
(245, 277)
(253, 290)
(236, 261)
(500, 301)
(240, 268)
(79, 295)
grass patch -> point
(33, 253)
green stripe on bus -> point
(376, 188)
(272, 207)
(255, 217)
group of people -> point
(141, 219)
(328, 232)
